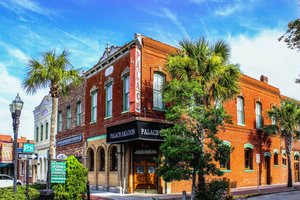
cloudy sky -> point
(29, 27)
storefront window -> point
(90, 160)
(101, 159)
(113, 159)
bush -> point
(214, 190)
(76, 179)
(8, 193)
(39, 186)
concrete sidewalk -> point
(238, 193)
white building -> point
(42, 122)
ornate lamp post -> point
(15, 109)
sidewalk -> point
(237, 193)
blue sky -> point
(29, 27)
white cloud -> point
(14, 52)
(229, 10)
(9, 87)
(263, 54)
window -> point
(258, 115)
(296, 158)
(225, 150)
(78, 113)
(240, 111)
(126, 83)
(113, 159)
(37, 134)
(158, 84)
(68, 117)
(275, 159)
(47, 129)
(284, 159)
(42, 130)
(59, 119)
(94, 107)
(22, 168)
(108, 112)
(273, 118)
(248, 159)
(90, 160)
(101, 159)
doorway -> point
(268, 169)
(296, 168)
(145, 176)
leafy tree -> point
(52, 71)
(287, 118)
(76, 179)
(292, 37)
(201, 77)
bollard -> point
(88, 190)
(183, 195)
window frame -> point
(258, 115)
(46, 130)
(126, 94)
(101, 159)
(240, 111)
(276, 160)
(158, 103)
(91, 159)
(94, 102)
(113, 159)
(42, 132)
(59, 120)
(108, 100)
(78, 113)
(37, 134)
(248, 164)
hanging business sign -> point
(135, 130)
(137, 80)
(58, 171)
(28, 148)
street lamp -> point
(15, 109)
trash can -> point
(46, 194)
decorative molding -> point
(109, 80)
(267, 154)
(93, 89)
(227, 143)
(125, 72)
(275, 151)
(248, 145)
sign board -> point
(33, 156)
(69, 140)
(61, 156)
(28, 148)
(257, 158)
(7, 152)
(20, 150)
(58, 171)
(135, 130)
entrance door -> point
(296, 171)
(268, 169)
(145, 178)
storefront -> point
(141, 140)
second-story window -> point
(258, 115)
(158, 84)
(59, 120)
(78, 113)
(37, 134)
(240, 111)
(42, 130)
(68, 117)
(126, 83)
(94, 106)
(47, 130)
(108, 112)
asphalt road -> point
(295, 195)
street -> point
(294, 195)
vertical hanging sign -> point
(137, 80)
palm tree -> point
(210, 66)
(219, 81)
(54, 71)
(287, 118)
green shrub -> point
(39, 186)
(8, 193)
(214, 190)
(76, 178)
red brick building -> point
(71, 124)
(22, 163)
(124, 113)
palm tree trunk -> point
(288, 144)
(193, 194)
(53, 126)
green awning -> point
(3, 165)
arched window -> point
(296, 158)
(240, 111)
(248, 156)
(101, 159)
(158, 84)
(283, 157)
(258, 113)
(90, 160)
(275, 158)
(113, 159)
(42, 132)
(225, 150)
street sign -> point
(28, 148)
(20, 150)
(32, 156)
(61, 156)
(58, 171)
(257, 158)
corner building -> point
(124, 113)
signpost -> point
(27, 156)
(58, 171)
(257, 162)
